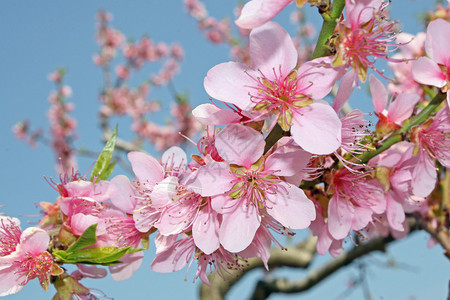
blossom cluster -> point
(244, 189)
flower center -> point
(278, 95)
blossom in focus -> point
(23, 257)
(435, 69)
(365, 32)
(272, 86)
(247, 186)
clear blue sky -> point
(39, 36)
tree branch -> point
(295, 257)
(265, 288)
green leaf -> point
(104, 166)
(87, 239)
(98, 255)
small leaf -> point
(87, 239)
(103, 167)
(97, 255)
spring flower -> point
(363, 33)
(435, 70)
(272, 86)
(247, 185)
(23, 256)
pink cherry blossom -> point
(355, 198)
(250, 186)
(271, 86)
(392, 116)
(23, 257)
(365, 32)
(433, 142)
(435, 70)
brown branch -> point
(264, 288)
(296, 257)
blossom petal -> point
(34, 240)
(174, 158)
(174, 258)
(205, 230)
(402, 108)
(239, 227)
(10, 280)
(230, 82)
(426, 71)
(239, 144)
(317, 77)
(317, 129)
(394, 213)
(340, 216)
(257, 12)
(424, 176)
(209, 114)
(345, 90)
(122, 194)
(437, 43)
(213, 179)
(147, 169)
(272, 47)
(379, 94)
(129, 264)
(287, 160)
(291, 207)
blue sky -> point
(38, 37)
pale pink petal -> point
(10, 281)
(272, 47)
(240, 145)
(317, 77)
(260, 247)
(424, 176)
(360, 11)
(80, 222)
(345, 90)
(122, 194)
(205, 230)
(129, 264)
(230, 82)
(175, 219)
(288, 160)
(223, 204)
(394, 213)
(437, 43)
(209, 114)
(402, 108)
(257, 12)
(340, 217)
(91, 271)
(317, 128)
(213, 179)
(379, 94)
(163, 242)
(175, 257)
(426, 71)
(174, 158)
(34, 240)
(239, 227)
(79, 188)
(164, 192)
(147, 169)
(290, 207)
(361, 217)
